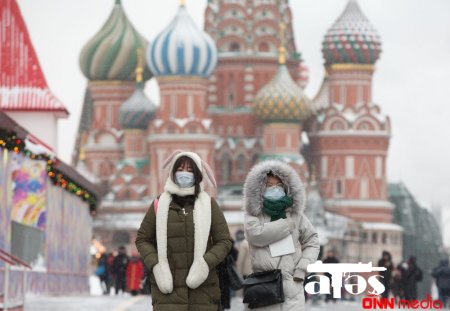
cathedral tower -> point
(247, 38)
(350, 136)
(283, 107)
(108, 61)
(182, 57)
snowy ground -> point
(143, 303)
(98, 302)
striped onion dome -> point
(282, 100)
(182, 49)
(352, 39)
(112, 53)
(137, 111)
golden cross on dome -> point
(282, 49)
(139, 66)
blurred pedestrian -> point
(109, 269)
(120, 269)
(396, 286)
(135, 274)
(274, 199)
(442, 275)
(183, 237)
(224, 280)
(411, 274)
(386, 262)
(102, 273)
(330, 258)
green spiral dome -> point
(112, 53)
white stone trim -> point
(351, 132)
(360, 203)
(181, 137)
(382, 226)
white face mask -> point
(274, 193)
(184, 179)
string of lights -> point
(10, 141)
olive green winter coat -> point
(180, 253)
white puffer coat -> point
(260, 232)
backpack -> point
(100, 271)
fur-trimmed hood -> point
(255, 185)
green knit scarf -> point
(276, 209)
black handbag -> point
(235, 278)
(264, 288)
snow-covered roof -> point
(122, 221)
(381, 226)
(234, 217)
(22, 83)
(322, 98)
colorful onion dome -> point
(352, 39)
(182, 49)
(111, 53)
(282, 100)
(137, 111)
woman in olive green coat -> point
(183, 238)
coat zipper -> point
(185, 229)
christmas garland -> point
(10, 141)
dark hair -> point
(198, 176)
(271, 174)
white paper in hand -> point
(282, 247)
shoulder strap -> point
(155, 205)
(279, 261)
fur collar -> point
(255, 185)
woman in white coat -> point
(274, 200)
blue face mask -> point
(184, 179)
(274, 193)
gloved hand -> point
(198, 273)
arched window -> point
(338, 187)
(374, 237)
(263, 47)
(225, 166)
(105, 169)
(240, 164)
(230, 96)
(234, 47)
(255, 159)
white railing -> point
(12, 261)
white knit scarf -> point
(202, 219)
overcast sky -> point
(411, 83)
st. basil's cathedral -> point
(233, 93)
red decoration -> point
(22, 83)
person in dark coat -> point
(386, 261)
(102, 272)
(224, 281)
(183, 261)
(120, 265)
(411, 274)
(442, 275)
(396, 285)
(331, 258)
